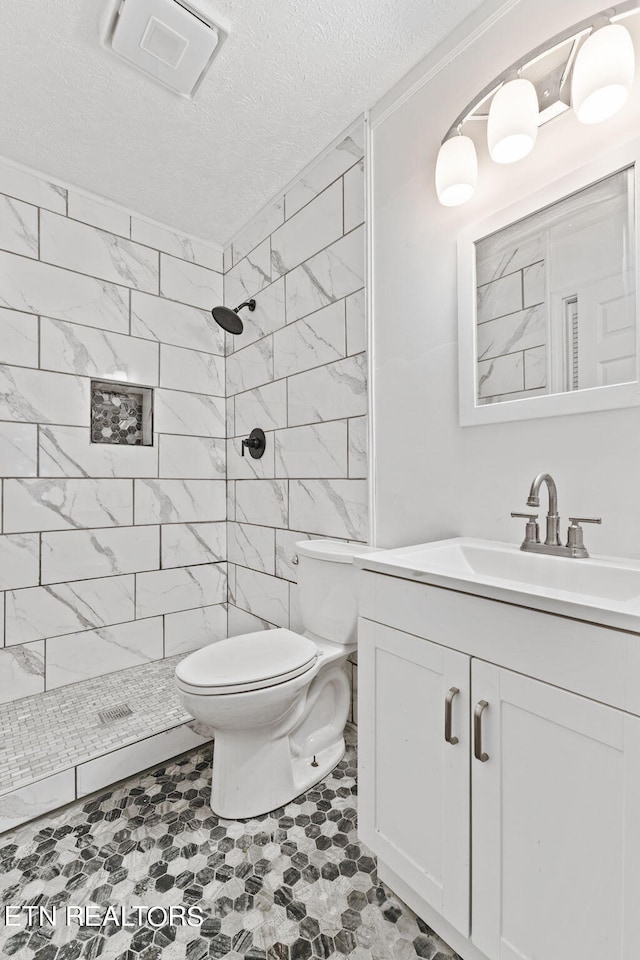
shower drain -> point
(120, 712)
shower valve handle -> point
(255, 443)
(252, 442)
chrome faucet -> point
(552, 545)
(553, 517)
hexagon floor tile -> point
(292, 885)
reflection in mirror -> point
(555, 307)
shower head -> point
(228, 319)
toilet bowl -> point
(277, 700)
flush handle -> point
(448, 710)
(477, 732)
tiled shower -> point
(114, 549)
(112, 555)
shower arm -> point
(248, 303)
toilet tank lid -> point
(336, 550)
(248, 658)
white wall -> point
(433, 478)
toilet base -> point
(307, 775)
(243, 784)
(261, 768)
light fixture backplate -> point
(549, 68)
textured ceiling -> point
(292, 75)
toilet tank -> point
(327, 588)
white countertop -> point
(602, 590)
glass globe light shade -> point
(456, 171)
(603, 74)
(513, 121)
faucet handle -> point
(532, 534)
(575, 539)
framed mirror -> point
(548, 305)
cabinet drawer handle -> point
(477, 732)
(448, 708)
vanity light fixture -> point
(590, 67)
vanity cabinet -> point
(555, 807)
(520, 841)
(416, 811)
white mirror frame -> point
(548, 405)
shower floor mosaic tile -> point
(292, 885)
(48, 732)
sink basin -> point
(600, 589)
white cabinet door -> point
(414, 786)
(555, 823)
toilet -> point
(278, 701)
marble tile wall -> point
(298, 371)
(512, 320)
(110, 556)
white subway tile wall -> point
(110, 556)
(298, 371)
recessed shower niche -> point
(121, 413)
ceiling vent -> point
(175, 43)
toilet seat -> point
(252, 661)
